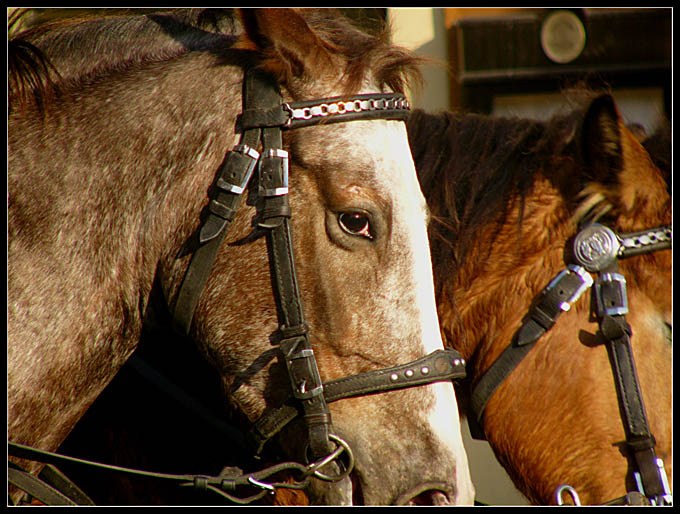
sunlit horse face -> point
(127, 192)
(578, 436)
(555, 419)
(359, 229)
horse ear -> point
(289, 46)
(616, 164)
(601, 140)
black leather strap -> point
(556, 298)
(612, 306)
(273, 213)
(438, 366)
(645, 241)
(337, 109)
(224, 203)
(36, 487)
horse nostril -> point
(430, 497)
(425, 494)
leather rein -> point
(265, 175)
(596, 249)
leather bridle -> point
(596, 249)
(265, 175)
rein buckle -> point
(273, 174)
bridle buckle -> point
(302, 368)
(611, 295)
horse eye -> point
(355, 224)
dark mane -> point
(471, 166)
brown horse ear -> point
(289, 46)
(616, 164)
(602, 145)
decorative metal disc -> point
(596, 247)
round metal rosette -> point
(596, 247)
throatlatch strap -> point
(231, 181)
(556, 298)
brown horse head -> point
(509, 196)
(106, 193)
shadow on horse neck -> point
(507, 197)
(115, 137)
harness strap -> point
(227, 482)
(273, 215)
(37, 488)
(438, 366)
(230, 182)
(612, 305)
(337, 109)
(555, 299)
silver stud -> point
(409, 373)
(394, 377)
(456, 362)
(425, 370)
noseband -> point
(263, 120)
(596, 249)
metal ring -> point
(343, 446)
(572, 492)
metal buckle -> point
(246, 151)
(611, 295)
(664, 499)
(596, 247)
(559, 493)
(586, 282)
(302, 368)
(277, 153)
